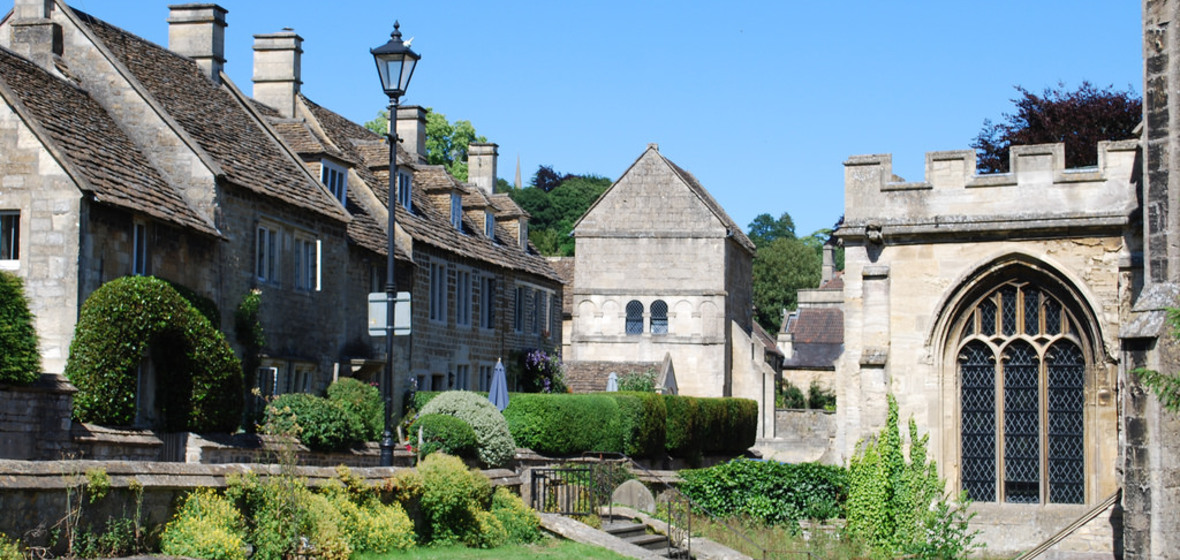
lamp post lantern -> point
(395, 66)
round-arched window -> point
(634, 317)
(659, 317)
(1022, 371)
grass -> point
(553, 548)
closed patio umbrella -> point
(612, 382)
(498, 392)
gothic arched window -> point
(659, 317)
(634, 317)
(1022, 385)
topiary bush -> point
(205, 306)
(20, 362)
(200, 388)
(319, 423)
(452, 498)
(771, 492)
(205, 526)
(363, 404)
(448, 434)
(495, 444)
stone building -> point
(662, 271)
(812, 337)
(996, 327)
(124, 157)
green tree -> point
(1079, 118)
(20, 361)
(554, 212)
(379, 124)
(765, 228)
(782, 268)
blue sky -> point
(762, 101)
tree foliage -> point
(1079, 118)
(765, 228)
(555, 210)
(20, 360)
(782, 268)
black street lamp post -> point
(395, 65)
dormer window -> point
(457, 211)
(489, 224)
(405, 183)
(524, 234)
(335, 178)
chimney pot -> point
(411, 130)
(34, 35)
(481, 166)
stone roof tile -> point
(114, 169)
(820, 325)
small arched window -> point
(1022, 396)
(659, 317)
(634, 317)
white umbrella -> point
(612, 382)
(498, 393)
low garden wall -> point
(801, 435)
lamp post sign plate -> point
(377, 312)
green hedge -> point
(20, 360)
(444, 433)
(642, 423)
(768, 491)
(698, 425)
(200, 379)
(564, 424)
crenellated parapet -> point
(1038, 193)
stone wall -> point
(800, 436)
(35, 419)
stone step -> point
(650, 542)
(625, 530)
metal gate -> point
(567, 491)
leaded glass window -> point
(634, 317)
(659, 317)
(1022, 376)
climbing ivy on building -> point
(20, 362)
(1165, 386)
(897, 506)
(127, 319)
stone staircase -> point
(636, 534)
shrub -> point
(205, 526)
(643, 419)
(452, 496)
(521, 524)
(10, 549)
(541, 372)
(790, 397)
(205, 306)
(20, 362)
(496, 446)
(129, 316)
(405, 487)
(771, 492)
(683, 436)
(564, 424)
(819, 398)
(374, 527)
(447, 434)
(897, 506)
(363, 404)
(319, 423)
(638, 381)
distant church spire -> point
(518, 171)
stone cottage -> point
(662, 271)
(124, 157)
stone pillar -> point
(411, 131)
(276, 70)
(481, 166)
(198, 32)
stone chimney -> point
(276, 69)
(411, 130)
(828, 268)
(481, 166)
(198, 32)
(34, 35)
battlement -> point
(1038, 187)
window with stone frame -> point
(307, 263)
(659, 317)
(463, 298)
(266, 253)
(457, 211)
(405, 186)
(1022, 379)
(634, 323)
(518, 309)
(438, 292)
(538, 307)
(487, 302)
(9, 236)
(139, 249)
(489, 225)
(335, 177)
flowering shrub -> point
(495, 444)
(541, 372)
(206, 526)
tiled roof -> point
(814, 356)
(426, 223)
(767, 341)
(818, 325)
(218, 120)
(836, 283)
(114, 170)
(565, 269)
(589, 377)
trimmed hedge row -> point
(20, 359)
(636, 424)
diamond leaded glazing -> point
(1022, 423)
